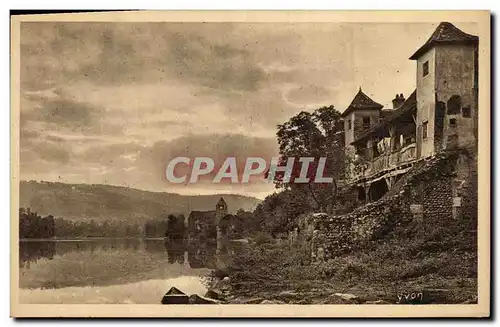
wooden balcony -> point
(386, 162)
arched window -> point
(454, 105)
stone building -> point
(440, 114)
(413, 164)
(205, 223)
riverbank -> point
(391, 271)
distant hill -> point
(106, 202)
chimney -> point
(398, 101)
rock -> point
(222, 273)
(288, 294)
(223, 284)
(344, 298)
(241, 240)
(272, 302)
(214, 294)
(196, 299)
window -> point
(466, 112)
(454, 105)
(425, 68)
(349, 124)
(424, 129)
(366, 122)
(453, 122)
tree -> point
(279, 211)
(243, 222)
(316, 135)
(175, 227)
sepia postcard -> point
(250, 164)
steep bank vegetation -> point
(441, 258)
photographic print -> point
(250, 164)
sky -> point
(113, 103)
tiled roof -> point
(445, 33)
(409, 105)
(361, 101)
(385, 113)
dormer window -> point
(425, 68)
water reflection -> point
(100, 262)
(199, 255)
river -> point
(133, 271)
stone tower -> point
(446, 90)
(220, 211)
(360, 116)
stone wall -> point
(333, 235)
(428, 192)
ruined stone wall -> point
(331, 235)
(466, 188)
(437, 201)
(429, 192)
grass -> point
(417, 257)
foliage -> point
(413, 257)
(31, 225)
(176, 227)
(263, 238)
(315, 135)
(172, 226)
(279, 211)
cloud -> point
(38, 151)
(136, 165)
(213, 65)
(106, 102)
(51, 111)
(215, 146)
(133, 53)
(307, 94)
(112, 154)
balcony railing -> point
(408, 153)
(386, 162)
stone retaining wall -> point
(432, 190)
